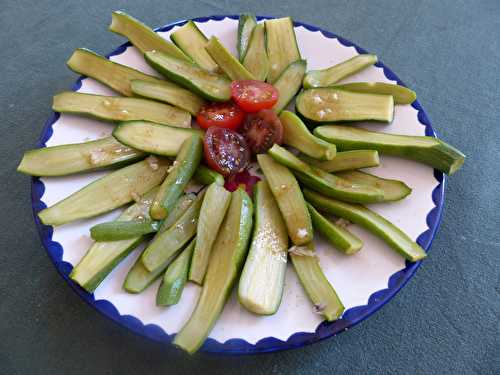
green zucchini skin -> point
(346, 161)
(117, 230)
(255, 59)
(401, 94)
(289, 83)
(226, 61)
(207, 176)
(246, 23)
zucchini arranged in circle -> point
(246, 24)
(328, 77)
(79, 157)
(115, 108)
(401, 94)
(255, 59)
(116, 76)
(289, 83)
(346, 161)
(428, 150)
(332, 105)
(107, 193)
(211, 86)
(226, 61)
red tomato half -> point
(252, 95)
(226, 151)
(224, 115)
(261, 130)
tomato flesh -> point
(252, 95)
(226, 151)
(225, 115)
(261, 130)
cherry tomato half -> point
(252, 95)
(224, 115)
(261, 130)
(226, 151)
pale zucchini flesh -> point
(289, 83)
(226, 61)
(246, 23)
(401, 94)
(255, 59)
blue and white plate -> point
(364, 281)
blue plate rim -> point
(350, 318)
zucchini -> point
(329, 76)
(168, 92)
(332, 105)
(401, 94)
(103, 257)
(288, 195)
(138, 277)
(153, 138)
(107, 193)
(167, 244)
(79, 157)
(246, 23)
(296, 134)
(141, 36)
(122, 230)
(424, 149)
(183, 169)
(172, 284)
(109, 73)
(255, 59)
(115, 108)
(371, 221)
(316, 285)
(262, 281)
(212, 213)
(211, 86)
(206, 176)
(192, 41)
(347, 160)
(339, 237)
(289, 83)
(228, 254)
(226, 61)
(281, 46)
(394, 190)
(326, 183)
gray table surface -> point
(446, 320)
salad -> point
(239, 229)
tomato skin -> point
(253, 95)
(225, 115)
(225, 151)
(261, 130)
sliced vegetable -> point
(122, 230)
(79, 157)
(246, 24)
(172, 283)
(252, 95)
(329, 76)
(211, 86)
(262, 281)
(281, 45)
(339, 237)
(228, 254)
(168, 92)
(107, 193)
(289, 83)
(427, 150)
(394, 190)
(261, 130)
(180, 207)
(207, 176)
(153, 138)
(289, 197)
(401, 94)
(212, 213)
(332, 105)
(103, 257)
(224, 115)
(255, 59)
(115, 108)
(347, 160)
(313, 280)
(162, 250)
(141, 36)
(226, 61)
(109, 73)
(297, 135)
(192, 42)
(183, 169)
(226, 151)
(371, 221)
(326, 183)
